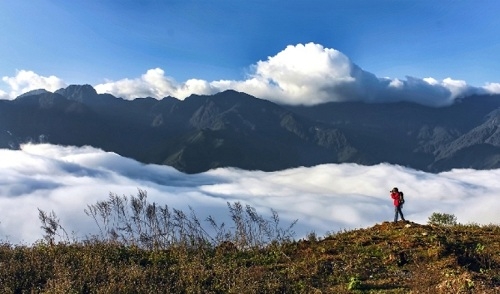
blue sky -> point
(102, 42)
(299, 52)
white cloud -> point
(493, 88)
(154, 84)
(151, 84)
(4, 95)
(300, 74)
(311, 74)
(456, 87)
(323, 198)
(304, 74)
(396, 83)
(27, 80)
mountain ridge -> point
(235, 129)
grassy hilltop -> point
(254, 257)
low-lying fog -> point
(324, 198)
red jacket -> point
(395, 196)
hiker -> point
(398, 203)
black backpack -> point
(401, 197)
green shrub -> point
(354, 284)
(442, 219)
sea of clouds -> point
(305, 74)
(324, 198)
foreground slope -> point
(386, 258)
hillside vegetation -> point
(143, 248)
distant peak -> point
(33, 92)
(231, 92)
(77, 92)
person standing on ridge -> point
(398, 203)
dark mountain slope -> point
(47, 117)
(199, 133)
(412, 134)
(239, 130)
(479, 148)
(236, 129)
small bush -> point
(442, 219)
(354, 284)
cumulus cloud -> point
(323, 198)
(493, 88)
(311, 74)
(4, 95)
(304, 74)
(155, 84)
(27, 80)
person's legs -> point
(396, 211)
(400, 212)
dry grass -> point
(256, 257)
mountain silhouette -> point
(234, 129)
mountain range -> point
(234, 129)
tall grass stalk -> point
(135, 221)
